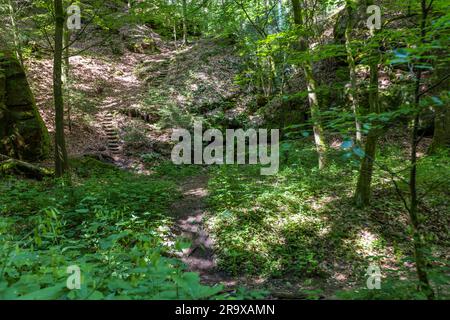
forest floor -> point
(297, 234)
(189, 213)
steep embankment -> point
(125, 106)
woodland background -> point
(86, 179)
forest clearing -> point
(224, 150)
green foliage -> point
(110, 223)
(401, 284)
(168, 170)
(171, 116)
(302, 222)
(272, 230)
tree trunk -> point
(17, 42)
(280, 15)
(66, 75)
(419, 241)
(175, 33)
(185, 31)
(441, 138)
(311, 84)
(315, 114)
(363, 188)
(61, 163)
(353, 93)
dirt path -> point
(190, 213)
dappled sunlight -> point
(357, 110)
(366, 242)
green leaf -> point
(50, 293)
(347, 144)
(437, 101)
(359, 152)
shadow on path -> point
(189, 213)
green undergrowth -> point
(302, 223)
(167, 170)
(111, 224)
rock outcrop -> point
(23, 134)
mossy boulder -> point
(282, 112)
(23, 134)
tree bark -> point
(311, 84)
(61, 162)
(66, 74)
(441, 138)
(418, 239)
(353, 93)
(363, 188)
(185, 31)
(17, 42)
(419, 242)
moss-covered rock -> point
(23, 134)
(280, 112)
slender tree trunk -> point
(61, 163)
(66, 74)
(312, 89)
(175, 33)
(363, 188)
(16, 39)
(441, 138)
(419, 241)
(280, 15)
(185, 31)
(353, 93)
(315, 114)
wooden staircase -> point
(111, 133)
